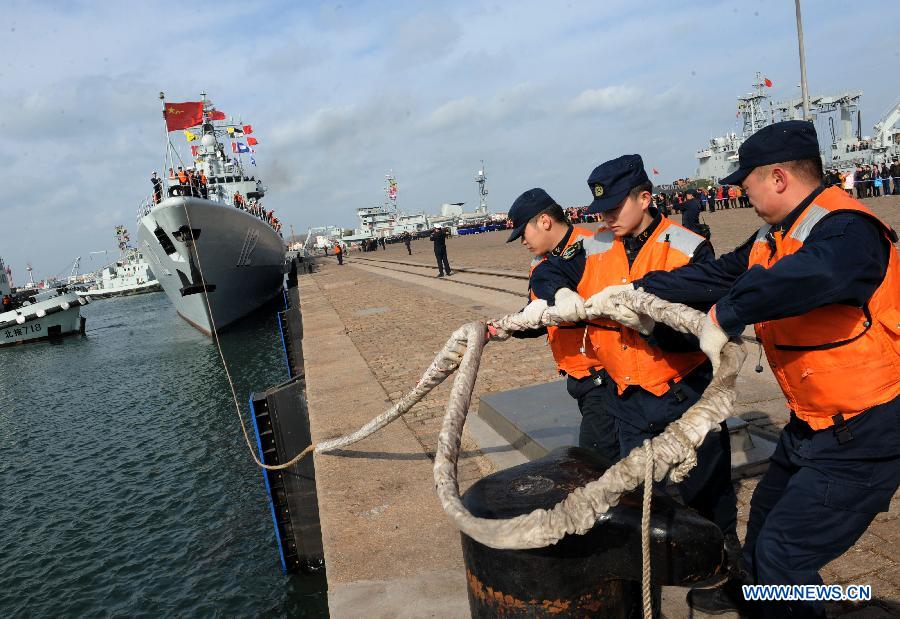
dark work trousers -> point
(408, 248)
(598, 429)
(340, 257)
(441, 256)
(642, 415)
(817, 498)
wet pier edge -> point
(371, 327)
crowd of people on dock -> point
(867, 181)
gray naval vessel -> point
(838, 122)
(213, 247)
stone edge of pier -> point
(376, 498)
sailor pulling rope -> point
(674, 451)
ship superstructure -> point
(213, 246)
(838, 121)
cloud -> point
(451, 114)
(600, 100)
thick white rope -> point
(645, 531)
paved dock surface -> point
(372, 326)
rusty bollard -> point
(597, 574)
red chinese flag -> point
(248, 129)
(183, 115)
(252, 141)
(217, 115)
(767, 82)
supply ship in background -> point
(216, 251)
(838, 123)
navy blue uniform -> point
(690, 215)
(597, 430)
(820, 493)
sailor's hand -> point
(601, 303)
(534, 312)
(641, 323)
(712, 338)
(495, 333)
(569, 305)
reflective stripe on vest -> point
(625, 355)
(569, 343)
(835, 359)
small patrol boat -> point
(34, 315)
(129, 275)
(216, 251)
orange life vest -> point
(338, 250)
(625, 355)
(835, 359)
(182, 178)
(569, 343)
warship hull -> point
(198, 248)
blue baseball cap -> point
(611, 181)
(525, 207)
(789, 140)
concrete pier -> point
(371, 329)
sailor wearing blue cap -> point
(820, 282)
(556, 272)
(654, 373)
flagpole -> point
(803, 89)
(165, 173)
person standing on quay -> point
(439, 238)
(407, 238)
(557, 271)
(339, 253)
(651, 373)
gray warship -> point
(838, 121)
(213, 247)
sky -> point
(341, 93)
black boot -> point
(724, 598)
(727, 597)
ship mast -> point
(803, 89)
(481, 181)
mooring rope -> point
(646, 595)
(672, 453)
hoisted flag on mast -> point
(183, 115)
(252, 141)
(216, 115)
(239, 147)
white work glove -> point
(569, 305)
(712, 339)
(534, 312)
(641, 323)
(600, 303)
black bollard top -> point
(685, 547)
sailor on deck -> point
(820, 281)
